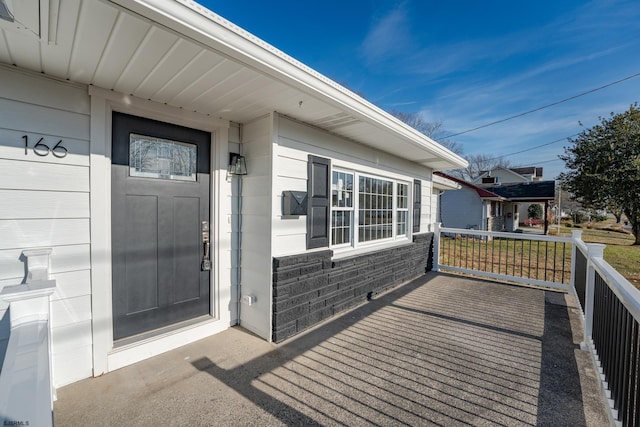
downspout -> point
(440, 219)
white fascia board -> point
(442, 183)
(193, 21)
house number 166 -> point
(42, 150)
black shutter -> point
(318, 187)
(417, 202)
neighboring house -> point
(126, 128)
(472, 207)
(525, 194)
(504, 175)
(492, 208)
(501, 175)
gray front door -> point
(159, 200)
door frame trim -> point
(103, 104)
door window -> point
(151, 157)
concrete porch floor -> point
(441, 350)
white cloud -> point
(388, 37)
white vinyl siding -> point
(45, 203)
(428, 206)
(256, 227)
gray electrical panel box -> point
(294, 203)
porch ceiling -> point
(180, 54)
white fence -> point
(521, 258)
(610, 304)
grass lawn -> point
(526, 259)
(620, 252)
(545, 261)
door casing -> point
(105, 357)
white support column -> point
(436, 246)
(596, 250)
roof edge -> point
(198, 23)
(482, 193)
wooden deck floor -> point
(441, 350)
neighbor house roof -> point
(539, 191)
(482, 192)
(178, 53)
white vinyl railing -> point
(26, 383)
(612, 334)
(522, 258)
(610, 304)
(26, 389)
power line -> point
(544, 106)
(533, 148)
(536, 163)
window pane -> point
(403, 196)
(151, 157)
(341, 227)
(376, 210)
(342, 190)
(401, 228)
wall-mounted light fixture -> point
(237, 164)
(5, 13)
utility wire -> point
(544, 106)
(533, 148)
(537, 163)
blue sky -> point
(467, 63)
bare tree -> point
(433, 130)
(479, 163)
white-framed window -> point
(496, 209)
(341, 208)
(366, 208)
(402, 208)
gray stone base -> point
(309, 288)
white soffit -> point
(178, 53)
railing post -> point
(595, 250)
(576, 235)
(436, 246)
(38, 264)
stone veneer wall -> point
(309, 288)
(495, 223)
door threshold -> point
(145, 337)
